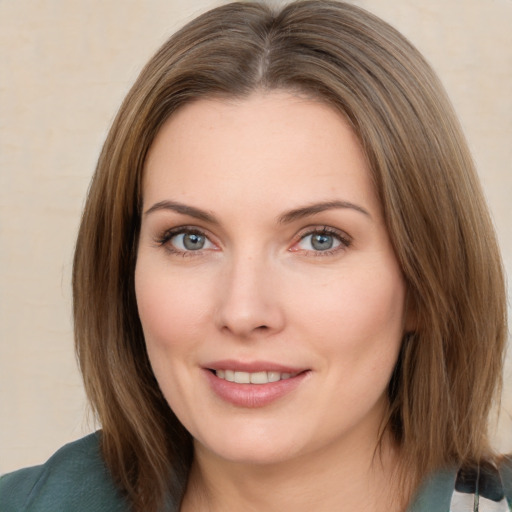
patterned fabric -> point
(479, 489)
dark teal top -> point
(75, 479)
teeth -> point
(259, 378)
(242, 377)
(252, 378)
(273, 376)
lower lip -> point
(253, 395)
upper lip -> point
(252, 366)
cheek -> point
(361, 339)
(376, 310)
(168, 312)
(357, 316)
(168, 308)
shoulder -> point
(485, 487)
(506, 477)
(435, 492)
(74, 478)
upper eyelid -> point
(167, 234)
(185, 229)
(163, 240)
(323, 229)
(320, 228)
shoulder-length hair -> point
(449, 368)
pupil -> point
(193, 241)
(322, 242)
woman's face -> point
(271, 300)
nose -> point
(249, 304)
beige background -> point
(65, 67)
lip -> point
(251, 366)
(253, 396)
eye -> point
(324, 240)
(183, 240)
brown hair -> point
(449, 368)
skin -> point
(259, 289)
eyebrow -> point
(184, 209)
(315, 208)
(285, 218)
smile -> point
(261, 377)
(253, 384)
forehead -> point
(269, 145)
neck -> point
(337, 478)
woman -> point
(285, 280)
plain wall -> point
(65, 67)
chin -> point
(260, 449)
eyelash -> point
(345, 241)
(165, 238)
